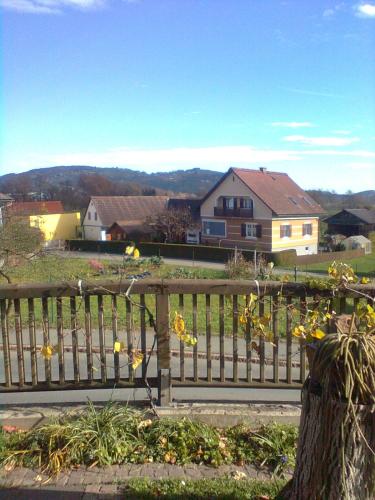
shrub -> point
(238, 267)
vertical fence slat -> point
(182, 345)
(208, 338)
(275, 329)
(60, 339)
(74, 330)
(195, 335)
(116, 355)
(222, 338)
(342, 305)
(302, 342)
(248, 347)
(5, 336)
(262, 354)
(32, 340)
(143, 335)
(46, 339)
(103, 367)
(163, 349)
(235, 338)
(289, 341)
(19, 341)
(88, 335)
(129, 338)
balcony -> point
(245, 213)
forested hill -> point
(74, 184)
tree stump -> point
(334, 462)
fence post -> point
(163, 349)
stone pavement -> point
(104, 483)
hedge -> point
(172, 250)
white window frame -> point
(214, 235)
(307, 235)
(254, 230)
(286, 237)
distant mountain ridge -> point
(71, 184)
(193, 181)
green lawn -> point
(363, 266)
(202, 489)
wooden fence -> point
(62, 336)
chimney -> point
(263, 169)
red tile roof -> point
(36, 208)
(279, 192)
(127, 208)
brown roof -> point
(36, 208)
(277, 190)
(127, 208)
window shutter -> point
(243, 230)
(259, 230)
(289, 231)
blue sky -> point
(168, 84)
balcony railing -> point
(233, 212)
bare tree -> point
(172, 223)
(18, 242)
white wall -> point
(233, 186)
(91, 226)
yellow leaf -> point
(47, 351)
(318, 334)
(118, 346)
(299, 331)
(365, 280)
(136, 254)
(129, 250)
(137, 359)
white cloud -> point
(311, 92)
(365, 10)
(341, 132)
(50, 6)
(321, 141)
(292, 124)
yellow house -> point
(57, 226)
(262, 210)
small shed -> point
(354, 242)
(125, 230)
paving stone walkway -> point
(104, 483)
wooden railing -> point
(62, 336)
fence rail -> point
(62, 336)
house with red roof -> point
(260, 209)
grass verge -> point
(223, 488)
(117, 434)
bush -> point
(238, 267)
(116, 434)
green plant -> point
(183, 441)
(272, 445)
(225, 488)
(181, 273)
(238, 267)
(117, 434)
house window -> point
(251, 230)
(89, 215)
(285, 231)
(214, 228)
(306, 229)
(96, 216)
(229, 203)
(246, 203)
